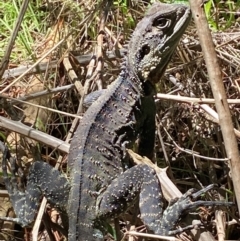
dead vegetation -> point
(82, 53)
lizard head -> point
(155, 39)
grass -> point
(32, 26)
(221, 14)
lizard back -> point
(96, 153)
(122, 113)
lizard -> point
(102, 184)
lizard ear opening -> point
(144, 51)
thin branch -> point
(210, 111)
(34, 134)
(41, 67)
(194, 153)
(44, 108)
(39, 94)
(215, 77)
(193, 100)
(34, 65)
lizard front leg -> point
(141, 182)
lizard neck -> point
(128, 73)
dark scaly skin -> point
(96, 153)
(125, 110)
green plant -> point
(32, 24)
(221, 14)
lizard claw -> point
(186, 203)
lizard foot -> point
(185, 203)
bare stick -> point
(34, 134)
(82, 59)
(32, 96)
(193, 100)
(219, 94)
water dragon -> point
(102, 183)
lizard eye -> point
(162, 23)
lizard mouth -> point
(179, 29)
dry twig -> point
(215, 77)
